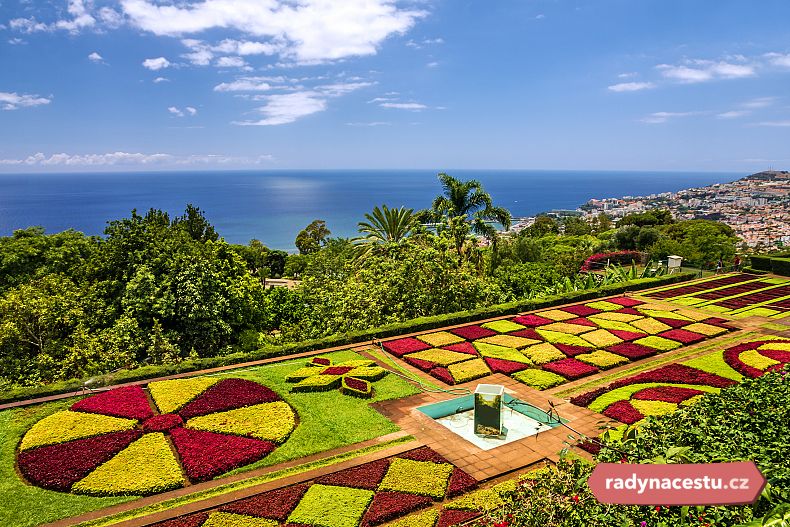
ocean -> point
(273, 206)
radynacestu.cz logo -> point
(737, 483)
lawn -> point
(326, 420)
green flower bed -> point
(317, 383)
(469, 370)
(539, 379)
(543, 353)
(502, 326)
(417, 477)
(659, 343)
(329, 506)
(602, 359)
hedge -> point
(390, 330)
(777, 264)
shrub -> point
(387, 506)
(556, 315)
(539, 379)
(441, 357)
(366, 476)
(147, 466)
(368, 373)
(473, 332)
(650, 325)
(356, 387)
(706, 329)
(600, 260)
(424, 519)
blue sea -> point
(273, 206)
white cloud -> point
(130, 159)
(110, 17)
(174, 110)
(433, 64)
(628, 75)
(370, 124)
(284, 108)
(245, 47)
(694, 71)
(540, 16)
(14, 101)
(781, 124)
(759, 102)
(778, 59)
(95, 57)
(160, 79)
(733, 114)
(424, 42)
(15, 41)
(80, 19)
(191, 111)
(245, 84)
(413, 106)
(631, 86)
(230, 62)
(662, 117)
(309, 31)
(156, 64)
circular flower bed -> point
(126, 442)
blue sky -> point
(544, 84)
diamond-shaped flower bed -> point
(354, 377)
(220, 425)
(417, 477)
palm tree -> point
(386, 226)
(466, 206)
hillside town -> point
(757, 207)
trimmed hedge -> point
(390, 330)
(752, 270)
(777, 264)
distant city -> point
(757, 207)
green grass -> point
(327, 420)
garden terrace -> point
(738, 295)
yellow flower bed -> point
(469, 370)
(661, 313)
(564, 327)
(67, 426)
(754, 359)
(267, 421)
(172, 395)
(647, 408)
(440, 356)
(417, 477)
(440, 338)
(543, 353)
(358, 363)
(485, 499)
(779, 346)
(226, 519)
(601, 338)
(421, 519)
(619, 317)
(508, 341)
(659, 343)
(563, 338)
(556, 314)
(539, 379)
(147, 466)
(603, 305)
(602, 359)
(615, 324)
(705, 329)
(650, 325)
(501, 352)
(503, 326)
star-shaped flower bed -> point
(126, 442)
(353, 377)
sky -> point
(289, 84)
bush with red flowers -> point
(599, 260)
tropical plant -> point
(466, 206)
(385, 225)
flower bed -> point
(509, 341)
(659, 343)
(602, 359)
(417, 477)
(468, 370)
(440, 338)
(473, 332)
(387, 506)
(274, 504)
(401, 347)
(224, 519)
(543, 353)
(503, 326)
(570, 368)
(328, 506)
(753, 359)
(84, 451)
(539, 379)
(352, 377)
(601, 338)
(356, 387)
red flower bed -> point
(586, 398)
(227, 395)
(401, 347)
(632, 351)
(504, 366)
(668, 394)
(460, 483)
(452, 517)
(527, 334)
(387, 506)
(589, 446)
(626, 335)
(424, 454)
(732, 357)
(532, 320)
(570, 368)
(206, 454)
(193, 520)
(58, 467)
(676, 373)
(320, 361)
(570, 350)
(337, 370)
(443, 374)
(162, 423)
(582, 322)
(129, 402)
(780, 355)
(462, 347)
(367, 476)
(718, 322)
(682, 336)
(625, 301)
(693, 288)
(581, 310)
(275, 504)
(472, 332)
(598, 261)
(356, 384)
(424, 365)
(628, 311)
(673, 322)
(624, 412)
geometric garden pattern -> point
(550, 347)
(123, 442)
(366, 495)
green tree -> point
(313, 237)
(385, 226)
(543, 226)
(600, 223)
(573, 226)
(196, 225)
(466, 206)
